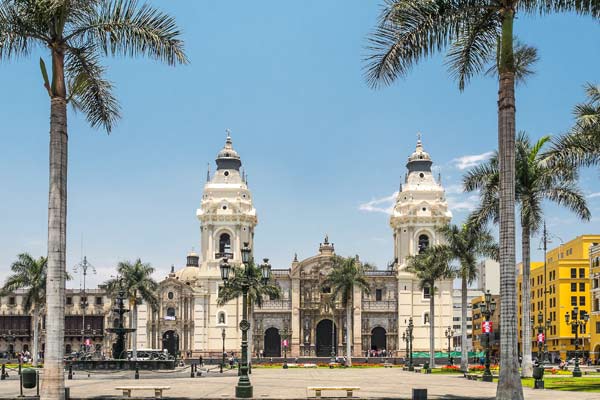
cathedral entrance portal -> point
(170, 342)
(272, 343)
(326, 337)
(378, 339)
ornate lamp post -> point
(244, 387)
(285, 335)
(449, 335)
(223, 354)
(538, 372)
(577, 319)
(488, 307)
(409, 338)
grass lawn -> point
(568, 384)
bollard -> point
(137, 372)
(192, 370)
(70, 376)
(3, 373)
(419, 394)
(19, 366)
(67, 393)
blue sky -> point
(323, 152)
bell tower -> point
(420, 207)
(227, 215)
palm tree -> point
(257, 291)
(582, 145)
(76, 34)
(465, 244)
(431, 266)
(30, 274)
(345, 275)
(537, 179)
(477, 33)
(135, 279)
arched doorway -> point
(272, 343)
(596, 355)
(326, 336)
(378, 339)
(170, 341)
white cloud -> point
(469, 161)
(454, 189)
(468, 204)
(593, 195)
(383, 205)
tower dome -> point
(419, 160)
(228, 158)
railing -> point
(386, 305)
(280, 272)
(270, 305)
(4, 333)
(378, 272)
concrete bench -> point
(157, 390)
(418, 370)
(473, 377)
(349, 389)
(388, 365)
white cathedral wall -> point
(142, 327)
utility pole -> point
(84, 265)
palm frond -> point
(409, 31)
(544, 7)
(122, 27)
(525, 57)
(89, 91)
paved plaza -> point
(292, 383)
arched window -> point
(221, 318)
(170, 295)
(171, 312)
(426, 318)
(423, 243)
(224, 243)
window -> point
(99, 301)
(455, 319)
(326, 289)
(573, 272)
(423, 243)
(573, 286)
(582, 272)
(224, 243)
(426, 318)
(68, 349)
(378, 294)
(221, 317)
(12, 301)
(170, 295)
(426, 292)
(597, 326)
(573, 300)
(171, 312)
(582, 286)
(582, 300)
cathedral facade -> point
(189, 318)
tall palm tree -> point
(465, 244)
(76, 33)
(431, 266)
(135, 279)
(257, 291)
(537, 180)
(30, 274)
(582, 145)
(346, 274)
(477, 32)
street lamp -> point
(577, 319)
(223, 354)
(449, 334)
(487, 307)
(284, 336)
(244, 387)
(409, 342)
(538, 372)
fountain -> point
(119, 346)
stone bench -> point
(418, 369)
(157, 390)
(388, 365)
(349, 389)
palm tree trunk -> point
(509, 383)
(464, 352)
(432, 327)
(349, 332)
(526, 365)
(134, 316)
(53, 382)
(36, 335)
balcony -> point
(275, 305)
(384, 306)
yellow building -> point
(594, 323)
(566, 286)
(479, 342)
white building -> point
(488, 276)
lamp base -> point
(243, 392)
(538, 384)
